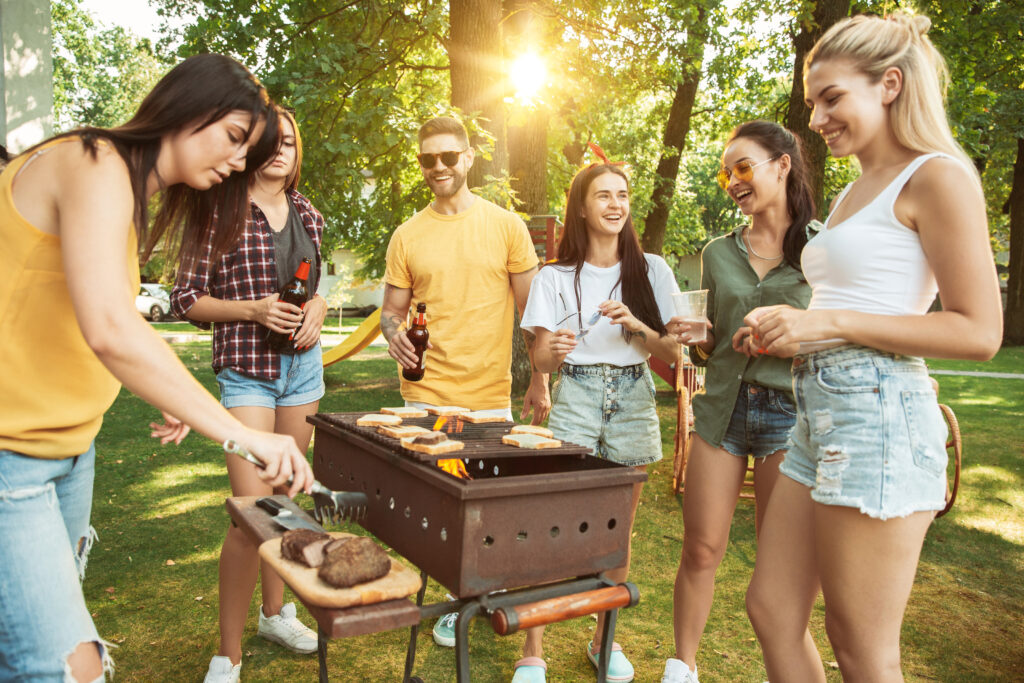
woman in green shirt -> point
(747, 408)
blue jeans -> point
(45, 538)
(869, 433)
(761, 422)
(300, 381)
(609, 409)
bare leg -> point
(289, 420)
(622, 573)
(85, 663)
(239, 560)
(766, 473)
(867, 570)
(713, 481)
(784, 586)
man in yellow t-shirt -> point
(468, 260)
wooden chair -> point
(956, 456)
(689, 380)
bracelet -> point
(704, 355)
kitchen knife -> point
(285, 517)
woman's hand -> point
(562, 343)
(281, 459)
(744, 342)
(686, 329)
(619, 314)
(780, 329)
(172, 429)
(277, 315)
(314, 313)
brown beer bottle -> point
(296, 292)
(418, 335)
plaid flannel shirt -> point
(247, 273)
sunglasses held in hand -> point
(449, 159)
(744, 170)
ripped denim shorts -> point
(869, 433)
(45, 539)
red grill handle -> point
(506, 620)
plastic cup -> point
(692, 307)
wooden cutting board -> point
(398, 583)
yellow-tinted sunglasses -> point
(744, 170)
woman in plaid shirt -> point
(263, 388)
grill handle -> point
(507, 620)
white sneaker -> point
(223, 671)
(285, 629)
(676, 671)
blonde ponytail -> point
(873, 45)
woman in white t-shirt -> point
(598, 314)
(866, 470)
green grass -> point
(155, 504)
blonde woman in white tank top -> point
(866, 470)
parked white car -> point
(153, 301)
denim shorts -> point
(609, 409)
(869, 433)
(300, 381)
(45, 538)
(761, 422)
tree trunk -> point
(478, 82)
(1013, 314)
(674, 140)
(826, 13)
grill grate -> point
(483, 440)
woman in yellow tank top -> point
(73, 211)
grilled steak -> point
(357, 561)
(304, 545)
(335, 543)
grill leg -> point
(466, 615)
(321, 652)
(410, 653)
(607, 638)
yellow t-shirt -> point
(53, 389)
(459, 266)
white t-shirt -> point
(553, 297)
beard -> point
(449, 189)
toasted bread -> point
(402, 431)
(446, 446)
(374, 420)
(532, 429)
(530, 441)
(405, 411)
(481, 416)
(447, 411)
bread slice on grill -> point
(405, 411)
(402, 431)
(532, 429)
(374, 420)
(434, 443)
(447, 411)
(530, 441)
(481, 416)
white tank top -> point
(870, 262)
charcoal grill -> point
(525, 517)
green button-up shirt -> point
(733, 291)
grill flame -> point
(440, 423)
(454, 467)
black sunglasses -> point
(449, 159)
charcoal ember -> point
(431, 438)
(358, 561)
(304, 545)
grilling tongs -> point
(327, 504)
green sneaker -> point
(444, 630)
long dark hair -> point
(196, 93)
(777, 141)
(637, 293)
